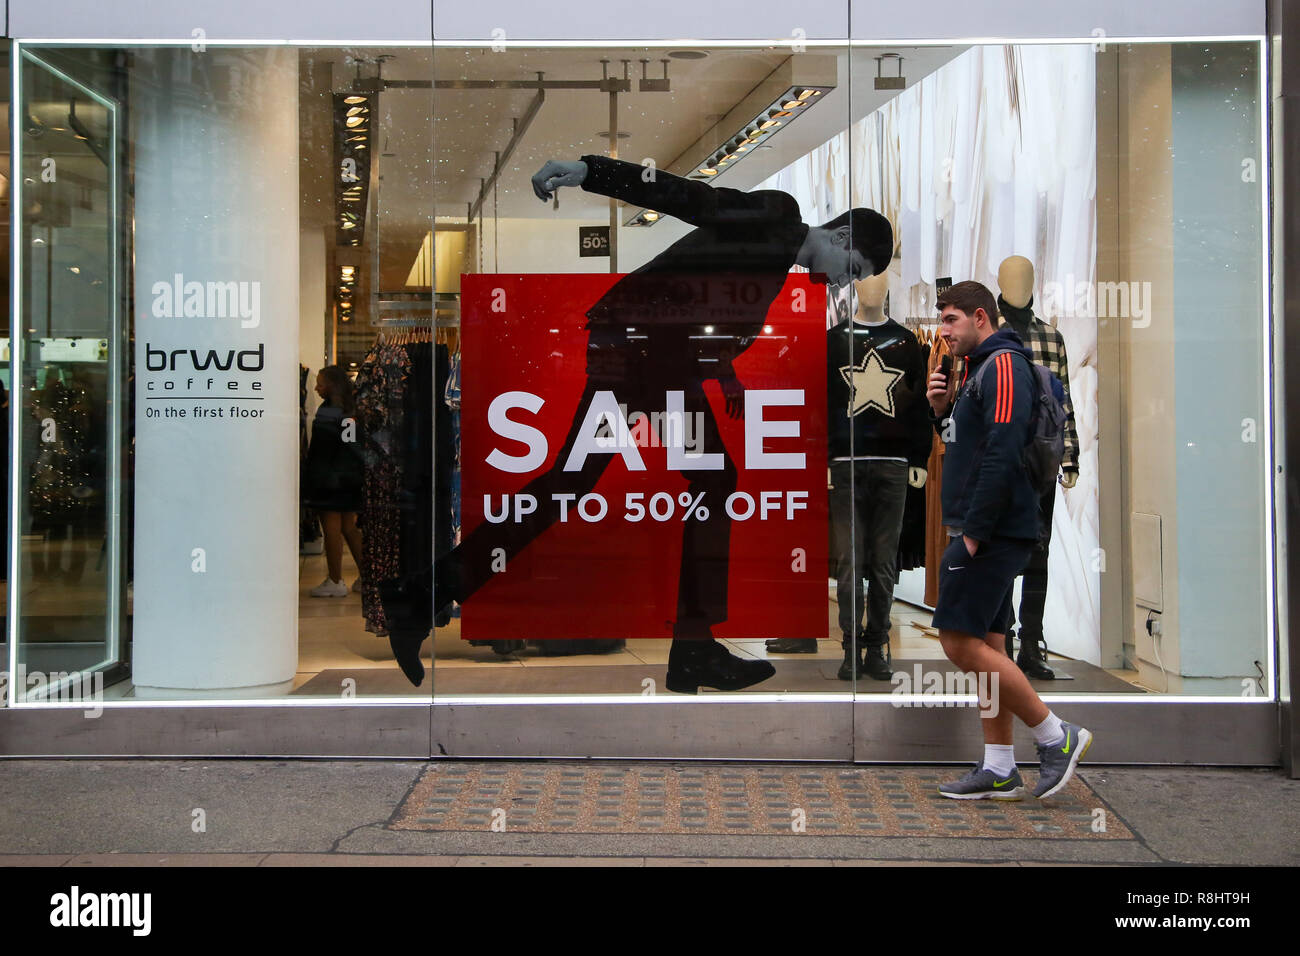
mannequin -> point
(1016, 285)
(1016, 281)
(879, 442)
(870, 294)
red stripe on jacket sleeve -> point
(1006, 386)
(997, 374)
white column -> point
(216, 284)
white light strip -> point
(18, 329)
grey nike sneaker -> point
(981, 784)
(1056, 762)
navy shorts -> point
(975, 592)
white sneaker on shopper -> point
(356, 585)
(330, 588)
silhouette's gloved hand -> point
(556, 173)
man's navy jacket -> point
(986, 490)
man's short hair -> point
(967, 297)
(869, 233)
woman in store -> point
(333, 476)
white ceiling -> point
(469, 125)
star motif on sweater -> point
(871, 385)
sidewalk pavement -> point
(242, 812)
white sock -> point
(1000, 758)
(1049, 731)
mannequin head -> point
(871, 297)
(1016, 281)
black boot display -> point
(1032, 658)
(878, 663)
(850, 664)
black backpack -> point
(1045, 448)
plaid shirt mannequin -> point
(1048, 347)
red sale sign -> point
(619, 477)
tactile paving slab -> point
(569, 797)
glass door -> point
(70, 588)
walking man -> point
(991, 512)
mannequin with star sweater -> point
(879, 442)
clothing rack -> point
(926, 330)
(404, 331)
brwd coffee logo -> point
(204, 374)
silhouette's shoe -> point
(406, 651)
(792, 645)
(696, 664)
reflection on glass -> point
(70, 571)
(596, 395)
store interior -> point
(507, 234)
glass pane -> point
(1110, 197)
(260, 231)
(642, 387)
(70, 348)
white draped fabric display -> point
(991, 156)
